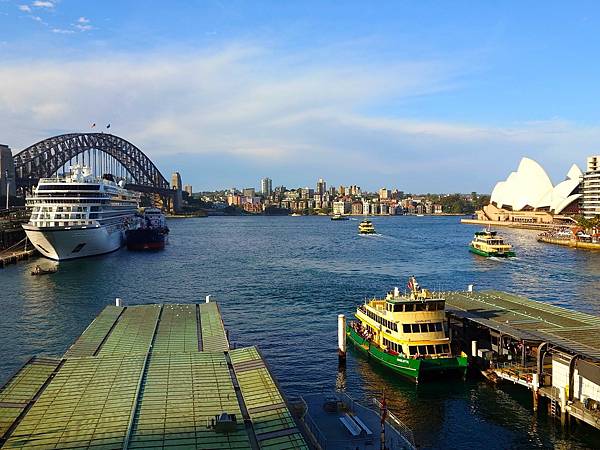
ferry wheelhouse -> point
(79, 215)
(489, 243)
(406, 333)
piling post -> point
(208, 299)
(342, 339)
(474, 349)
(118, 302)
(562, 393)
(536, 385)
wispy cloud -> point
(25, 8)
(62, 31)
(43, 4)
(83, 24)
(278, 115)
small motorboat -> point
(39, 271)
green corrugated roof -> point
(149, 386)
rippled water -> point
(281, 281)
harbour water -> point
(281, 281)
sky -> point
(422, 96)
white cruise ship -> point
(79, 215)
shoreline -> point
(570, 243)
(523, 226)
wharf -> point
(573, 243)
(521, 225)
(553, 351)
(149, 376)
(12, 257)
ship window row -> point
(34, 201)
(428, 349)
(386, 323)
(422, 327)
(72, 194)
(418, 306)
(64, 209)
(64, 224)
(68, 187)
(393, 346)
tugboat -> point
(406, 334)
(149, 231)
(488, 243)
(39, 271)
(366, 227)
(339, 217)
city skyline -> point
(426, 97)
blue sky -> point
(422, 96)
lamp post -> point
(7, 187)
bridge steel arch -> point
(45, 158)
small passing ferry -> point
(366, 227)
(405, 333)
(488, 243)
(339, 217)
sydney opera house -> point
(528, 196)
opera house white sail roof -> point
(530, 188)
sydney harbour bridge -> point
(104, 153)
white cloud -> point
(43, 4)
(83, 27)
(62, 31)
(83, 20)
(25, 8)
(293, 117)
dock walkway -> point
(149, 376)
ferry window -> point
(431, 327)
(446, 348)
(412, 349)
(406, 328)
(441, 305)
(438, 326)
(415, 327)
(395, 327)
(420, 306)
(93, 215)
(409, 308)
(422, 349)
(431, 349)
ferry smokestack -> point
(341, 338)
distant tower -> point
(176, 181)
(176, 186)
(7, 167)
(266, 186)
(321, 187)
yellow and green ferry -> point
(406, 333)
(366, 227)
(488, 243)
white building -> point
(530, 189)
(341, 207)
(266, 187)
(590, 188)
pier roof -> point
(150, 376)
(531, 320)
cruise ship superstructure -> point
(79, 215)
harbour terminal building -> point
(528, 195)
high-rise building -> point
(249, 192)
(266, 187)
(342, 190)
(321, 187)
(188, 188)
(384, 194)
(590, 188)
(7, 168)
(176, 181)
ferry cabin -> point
(405, 326)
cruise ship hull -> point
(62, 244)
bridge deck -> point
(137, 378)
(527, 319)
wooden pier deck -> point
(148, 376)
